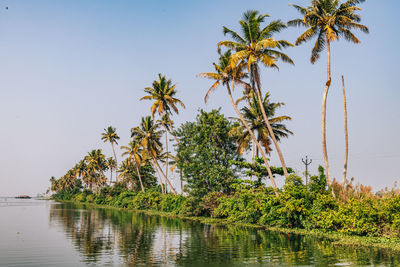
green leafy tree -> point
(225, 74)
(257, 45)
(328, 21)
(207, 149)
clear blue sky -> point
(71, 68)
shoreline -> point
(336, 238)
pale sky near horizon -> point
(69, 69)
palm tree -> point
(328, 20)
(163, 94)
(148, 136)
(223, 75)
(96, 165)
(254, 46)
(166, 123)
(112, 165)
(254, 118)
(135, 155)
(81, 169)
(111, 136)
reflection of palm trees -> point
(142, 240)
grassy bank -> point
(153, 202)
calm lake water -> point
(45, 233)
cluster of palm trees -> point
(327, 20)
(90, 172)
(239, 65)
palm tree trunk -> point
(116, 162)
(180, 177)
(252, 152)
(111, 171)
(166, 147)
(159, 179)
(163, 174)
(254, 140)
(140, 177)
(172, 133)
(271, 132)
(328, 84)
(346, 136)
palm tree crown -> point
(163, 93)
(110, 135)
(225, 73)
(148, 136)
(254, 118)
(328, 20)
(257, 44)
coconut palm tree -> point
(225, 74)
(96, 165)
(148, 136)
(112, 165)
(166, 123)
(163, 94)
(328, 21)
(135, 155)
(257, 45)
(111, 136)
(254, 118)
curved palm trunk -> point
(116, 162)
(328, 84)
(111, 171)
(166, 149)
(140, 177)
(177, 141)
(271, 132)
(346, 136)
(254, 140)
(159, 179)
(163, 174)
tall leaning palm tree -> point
(148, 136)
(163, 93)
(328, 21)
(224, 75)
(111, 136)
(257, 45)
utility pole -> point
(306, 162)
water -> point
(45, 233)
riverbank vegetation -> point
(222, 165)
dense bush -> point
(309, 206)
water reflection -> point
(114, 237)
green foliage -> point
(207, 149)
(297, 206)
(258, 169)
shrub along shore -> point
(364, 219)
